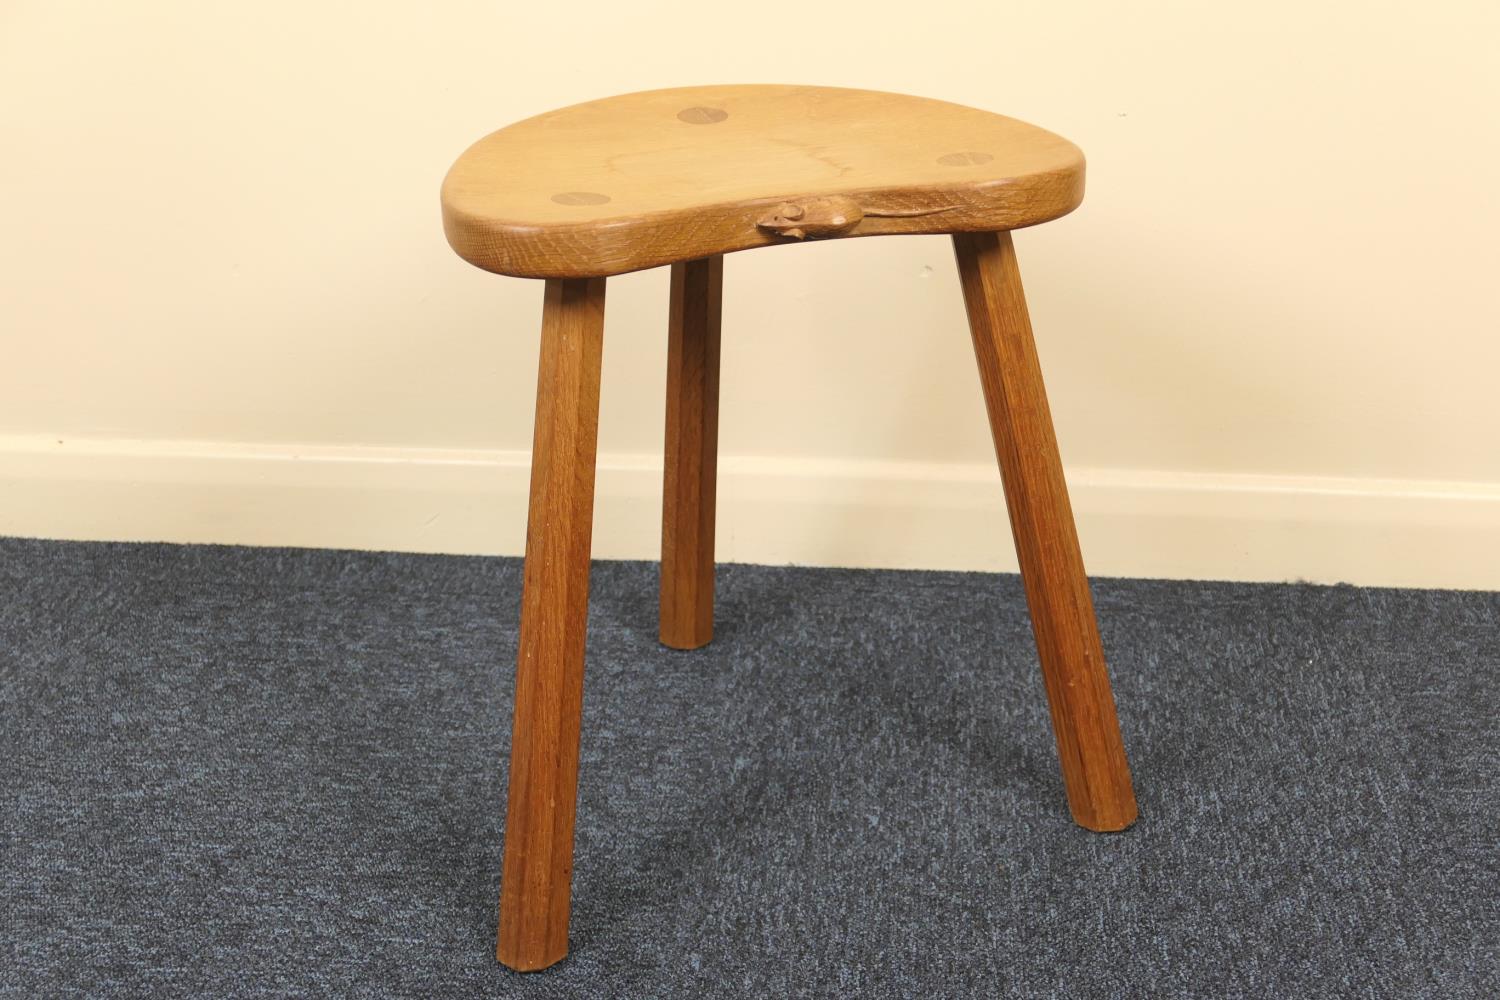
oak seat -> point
(653, 178)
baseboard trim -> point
(1385, 532)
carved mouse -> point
(826, 215)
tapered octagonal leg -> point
(536, 878)
(1062, 612)
(687, 514)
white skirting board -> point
(1381, 532)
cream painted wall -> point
(1272, 334)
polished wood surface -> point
(1089, 746)
(663, 176)
(687, 522)
(538, 866)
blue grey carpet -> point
(230, 772)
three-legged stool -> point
(682, 177)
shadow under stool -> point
(682, 177)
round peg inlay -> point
(702, 116)
(580, 198)
(964, 159)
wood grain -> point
(663, 176)
(1057, 590)
(538, 866)
(687, 523)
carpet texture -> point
(231, 772)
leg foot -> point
(1057, 590)
(537, 875)
(687, 516)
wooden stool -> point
(682, 177)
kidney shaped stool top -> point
(682, 177)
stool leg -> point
(536, 877)
(687, 514)
(1057, 590)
